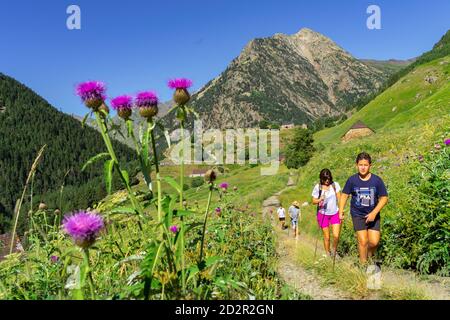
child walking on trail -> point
(326, 194)
(282, 216)
(368, 197)
(294, 214)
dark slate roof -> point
(359, 125)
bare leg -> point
(336, 228)
(363, 241)
(374, 240)
(326, 239)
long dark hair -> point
(325, 175)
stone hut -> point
(358, 130)
(5, 242)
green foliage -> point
(300, 149)
(420, 230)
(197, 182)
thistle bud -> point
(181, 96)
(147, 102)
(92, 93)
(123, 105)
(210, 176)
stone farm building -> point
(358, 130)
(198, 173)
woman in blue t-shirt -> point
(369, 196)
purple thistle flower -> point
(122, 103)
(179, 83)
(91, 90)
(174, 229)
(54, 259)
(218, 210)
(223, 185)
(447, 142)
(83, 227)
(146, 99)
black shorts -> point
(359, 223)
(282, 219)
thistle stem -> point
(182, 165)
(158, 178)
(183, 275)
(107, 140)
(205, 220)
(89, 273)
(144, 167)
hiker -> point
(294, 214)
(326, 196)
(282, 216)
(369, 196)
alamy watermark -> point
(374, 20)
(73, 22)
(217, 147)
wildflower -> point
(147, 102)
(83, 227)
(43, 206)
(437, 146)
(210, 176)
(173, 229)
(420, 158)
(447, 142)
(223, 186)
(218, 210)
(57, 212)
(235, 188)
(92, 93)
(123, 105)
(181, 95)
(54, 259)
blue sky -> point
(138, 45)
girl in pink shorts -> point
(326, 196)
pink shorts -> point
(325, 221)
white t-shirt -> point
(281, 213)
(330, 207)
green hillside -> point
(412, 98)
(411, 120)
(26, 124)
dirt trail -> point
(292, 272)
(308, 282)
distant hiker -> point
(325, 195)
(369, 196)
(294, 214)
(282, 216)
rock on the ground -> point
(271, 202)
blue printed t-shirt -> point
(365, 194)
